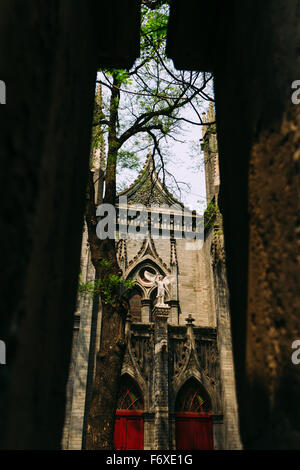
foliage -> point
(144, 105)
(128, 160)
(205, 146)
(107, 287)
(138, 109)
(153, 23)
(151, 101)
(211, 213)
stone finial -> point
(122, 254)
(150, 161)
(189, 320)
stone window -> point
(142, 277)
(130, 397)
(193, 398)
(135, 305)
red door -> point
(194, 429)
(194, 432)
(129, 430)
(129, 423)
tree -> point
(148, 100)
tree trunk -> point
(109, 360)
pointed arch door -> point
(129, 422)
(194, 429)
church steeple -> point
(148, 188)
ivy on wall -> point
(211, 214)
(105, 287)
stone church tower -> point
(178, 389)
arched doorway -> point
(129, 424)
(193, 422)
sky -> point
(185, 162)
(185, 168)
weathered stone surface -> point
(164, 350)
(48, 65)
(255, 56)
(49, 52)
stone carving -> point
(181, 357)
(173, 255)
(209, 359)
(141, 350)
(198, 357)
(122, 254)
(162, 284)
(147, 251)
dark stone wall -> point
(255, 54)
(259, 140)
(44, 157)
(49, 54)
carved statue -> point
(161, 286)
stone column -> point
(161, 378)
(174, 302)
(76, 431)
(189, 330)
(79, 396)
(174, 314)
(148, 430)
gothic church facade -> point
(177, 387)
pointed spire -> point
(173, 258)
(149, 159)
(190, 334)
(122, 252)
(149, 164)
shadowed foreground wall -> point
(49, 54)
(254, 49)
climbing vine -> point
(211, 214)
(107, 287)
(205, 146)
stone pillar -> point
(146, 314)
(218, 432)
(76, 430)
(231, 434)
(161, 375)
(81, 374)
(174, 314)
(148, 430)
(189, 330)
(172, 425)
(128, 325)
(174, 302)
